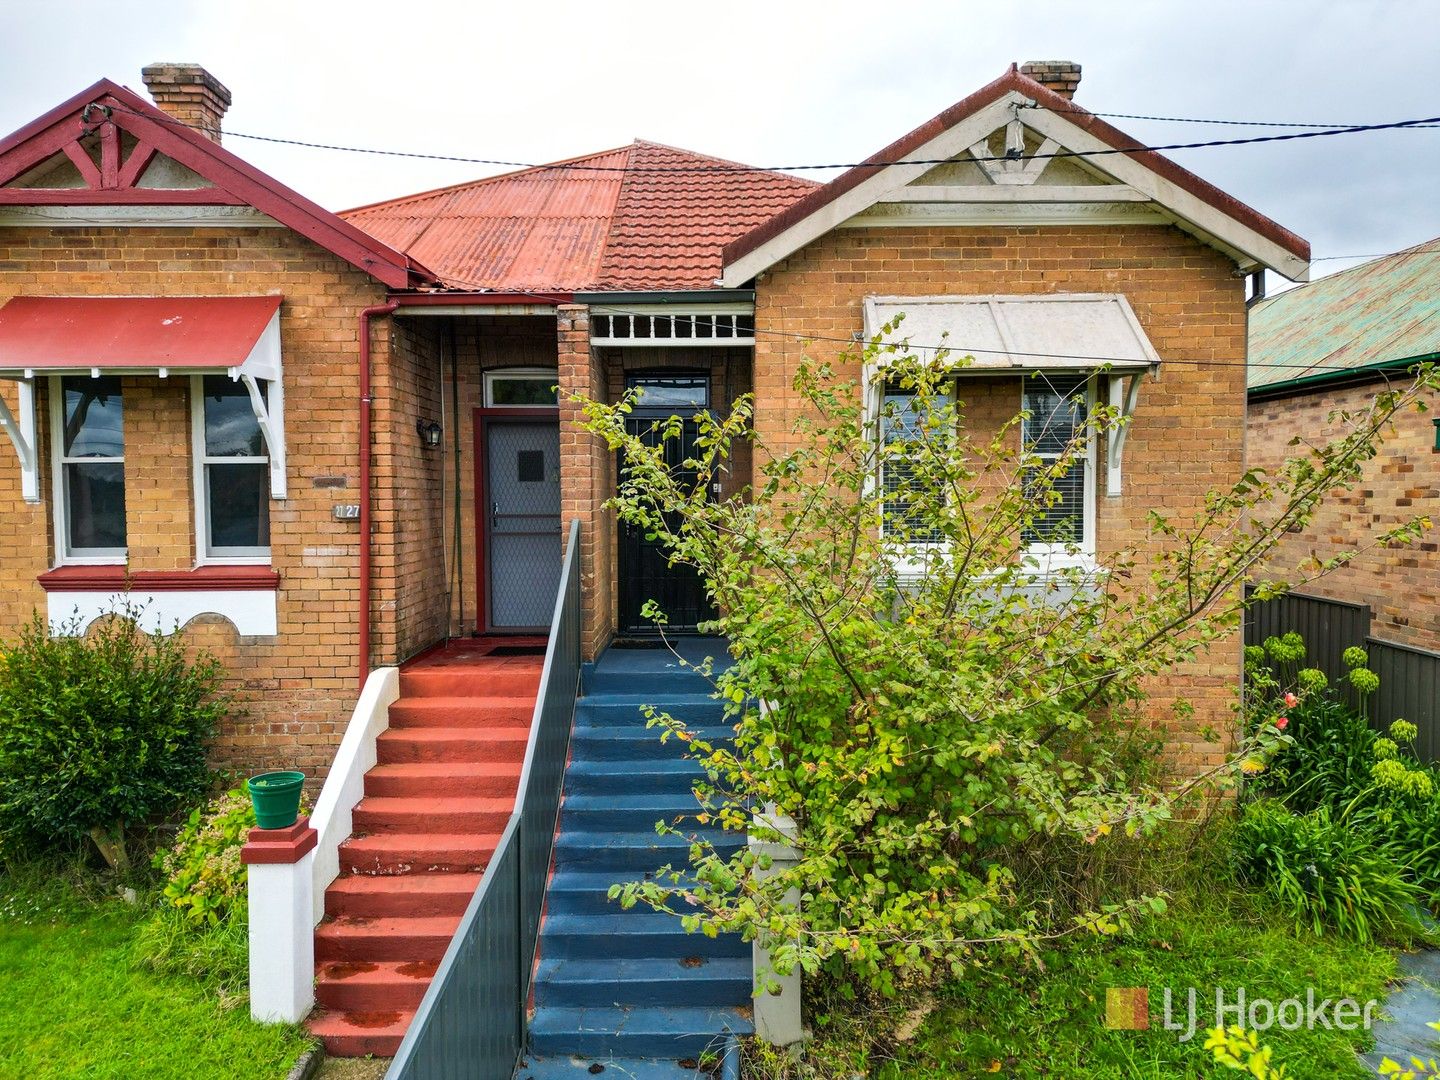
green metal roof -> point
(1367, 317)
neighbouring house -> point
(1329, 347)
(328, 444)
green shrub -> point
(1326, 873)
(102, 732)
(204, 878)
(202, 929)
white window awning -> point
(238, 336)
(1078, 331)
(990, 335)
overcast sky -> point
(771, 83)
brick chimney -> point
(190, 94)
(1061, 76)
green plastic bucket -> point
(276, 796)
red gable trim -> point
(1012, 80)
(236, 182)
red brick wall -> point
(1187, 436)
(296, 689)
(1401, 584)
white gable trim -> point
(948, 144)
(1256, 251)
(1247, 247)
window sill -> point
(113, 577)
(165, 600)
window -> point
(901, 422)
(1058, 405)
(521, 388)
(232, 470)
(87, 416)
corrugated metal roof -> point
(106, 332)
(540, 229)
(1375, 313)
(566, 230)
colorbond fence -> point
(1409, 677)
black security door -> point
(645, 570)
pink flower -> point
(1290, 701)
(1282, 723)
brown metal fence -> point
(1409, 677)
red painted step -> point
(441, 744)
(428, 779)
(500, 710)
(370, 896)
(372, 940)
(461, 683)
(349, 1034)
(417, 853)
(443, 814)
(373, 986)
(433, 811)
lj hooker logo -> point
(1127, 1008)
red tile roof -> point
(551, 229)
(670, 228)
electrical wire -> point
(1186, 119)
(1397, 125)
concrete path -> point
(1403, 1032)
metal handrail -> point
(471, 1022)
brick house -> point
(327, 443)
(1330, 346)
(218, 471)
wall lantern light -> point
(1436, 422)
(429, 433)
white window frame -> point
(205, 554)
(64, 556)
(1064, 556)
(518, 374)
(949, 396)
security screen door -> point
(522, 484)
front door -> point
(645, 570)
(522, 523)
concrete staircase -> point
(630, 991)
(434, 806)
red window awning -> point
(52, 334)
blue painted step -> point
(620, 981)
(633, 935)
(631, 777)
(641, 1032)
(629, 854)
(607, 813)
(640, 744)
(631, 991)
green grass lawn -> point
(72, 1005)
(1019, 1021)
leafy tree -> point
(936, 701)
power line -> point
(1353, 129)
(1190, 119)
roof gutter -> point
(679, 297)
(1345, 377)
(479, 299)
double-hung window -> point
(1057, 407)
(903, 424)
(87, 415)
(232, 471)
